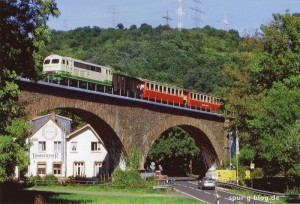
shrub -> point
(50, 179)
(127, 179)
(257, 173)
(32, 180)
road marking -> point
(240, 203)
(206, 192)
(191, 196)
(192, 183)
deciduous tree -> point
(23, 32)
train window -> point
(147, 86)
(160, 88)
(173, 91)
(176, 92)
(156, 87)
(67, 62)
(204, 98)
(55, 61)
(152, 87)
(208, 99)
(98, 69)
(63, 61)
(47, 61)
(165, 89)
(201, 97)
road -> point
(208, 196)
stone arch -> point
(201, 131)
(98, 119)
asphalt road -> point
(208, 196)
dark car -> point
(207, 183)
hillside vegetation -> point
(193, 59)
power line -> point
(167, 21)
(197, 11)
(113, 12)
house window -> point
(57, 146)
(42, 146)
(95, 146)
(74, 146)
(57, 169)
(78, 168)
(98, 168)
(41, 168)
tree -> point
(263, 98)
(23, 32)
(120, 26)
(174, 151)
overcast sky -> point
(242, 15)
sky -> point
(245, 16)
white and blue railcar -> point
(59, 67)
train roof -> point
(77, 60)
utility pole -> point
(167, 21)
(197, 12)
(65, 24)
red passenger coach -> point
(169, 94)
(163, 93)
(204, 102)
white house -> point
(86, 155)
(53, 151)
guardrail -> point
(261, 192)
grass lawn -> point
(79, 198)
(88, 195)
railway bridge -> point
(124, 123)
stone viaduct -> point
(123, 124)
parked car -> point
(207, 183)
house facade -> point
(86, 155)
(55, 150)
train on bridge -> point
(74, 72)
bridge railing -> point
(111, 92)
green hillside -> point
(193, 59)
